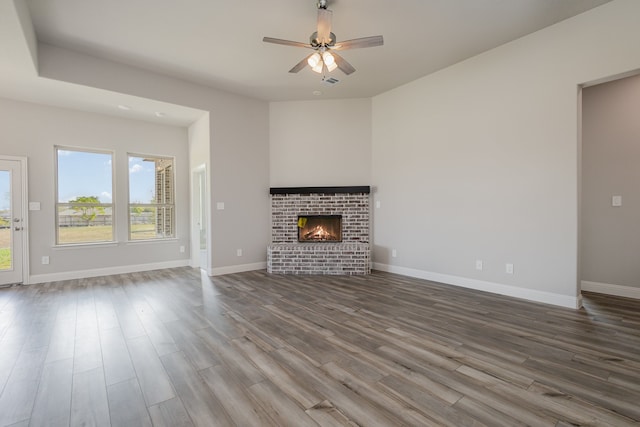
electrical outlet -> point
(508, 268)
(45, 260)
(478, 264)
(394, 253)
(181, 249)
(239, 252)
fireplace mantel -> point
(365, 189)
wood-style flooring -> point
(177, 348)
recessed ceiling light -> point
(317, 92)
(124, 107)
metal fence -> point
(77, 221)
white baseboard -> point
(610, 289)
(82, 274)
(481, 285)
(237, 268)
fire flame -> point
(319, 232)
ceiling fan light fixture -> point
(331, 66)
(318, 67)
(328, 59)
(314, 60)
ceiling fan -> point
(323, 42)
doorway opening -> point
(200, 230)
(609, 236)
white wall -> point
(480, 160)
(320, 143)
(33, 130)
(238, 148)
(611, 166)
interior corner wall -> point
(479, 161)
(320, 143)
(32, 131)
(240, 181)
(611, 167)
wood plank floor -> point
(176, 348)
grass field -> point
(5, 258)
(5, 251)
(102, 233)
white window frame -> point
(158, 206)
(58, 204)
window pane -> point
(5, 220)
(84, 224)
(84, 174)
(142, 180)
(143, 223)
(151, 209)
(84, 205)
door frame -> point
(25, 215)
(195, 234)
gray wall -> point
(611, 166)
(320, 143)
(33, 130)
(479, 161)
(237, 156)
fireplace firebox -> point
(319, 228)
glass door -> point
(11, 222)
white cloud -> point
(135, 168)
(106, 195)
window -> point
(151, 197)
(84, 196)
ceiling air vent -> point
(330, 81)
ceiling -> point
(218, 43)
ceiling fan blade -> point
(324, 26)
(285, 42)
(300, 65)
(344, 66)
(359, 43)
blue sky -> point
(89, 174)
(142, 182)
(4, 190)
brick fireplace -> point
(350, 256)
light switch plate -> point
(34, 206)
(220, 206)
(616, 201)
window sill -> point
(86, 245)
(151, 241)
